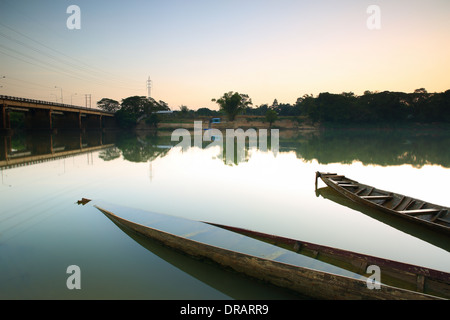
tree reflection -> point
(370, 147)
(109, 154)
(374, 147)
(136, 148)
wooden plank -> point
(420, 283)
(440, 214)
(344, 185)
(412, 202)
(398, 204)
(419, 211)
(444, 221)
(376, 197)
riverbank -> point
(243, 122)
(170, 123)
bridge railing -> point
(56, 104)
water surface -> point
(43, 230)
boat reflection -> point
(398, 223)
(232, 284)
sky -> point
(196, 50)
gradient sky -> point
(196, 50)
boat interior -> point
(392, 201)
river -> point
(43, 230)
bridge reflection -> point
(30, 149)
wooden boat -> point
(394, 273)
(427, 214)
(255, 258)
(232, 285)
(416, 230)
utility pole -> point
(74, 94)
(62, 100)
(87, 100)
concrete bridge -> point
(45, 115)
(43, 146)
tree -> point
(152, 120)
(125, 119)
(108, 105)
(233, 103)
(263, 109)
(184, 109)
(206, 112)
(271, 116)
(132, 109)
(161, 105)
(275, 104)
(136, 105)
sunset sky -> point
(196, 50)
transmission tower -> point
(149, 87)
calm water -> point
(43, 230)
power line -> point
(29, 82)
(52, 67)
(60, 70)
(63, 54)
(47, 67)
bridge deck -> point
(23, 103)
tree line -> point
(344, 108)
(376, 107)
(133, 109)
(371, 107)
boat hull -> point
(312, 283)
(394, 273)
(399, 201)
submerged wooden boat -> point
(393, 273)
(258, 259)
(427, 214)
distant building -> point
(164, 112)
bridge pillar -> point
(68, 121)
(94, 138)
(5, 147)
(93, 121)
(39, 119)
(5, 123)
(40, 143)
